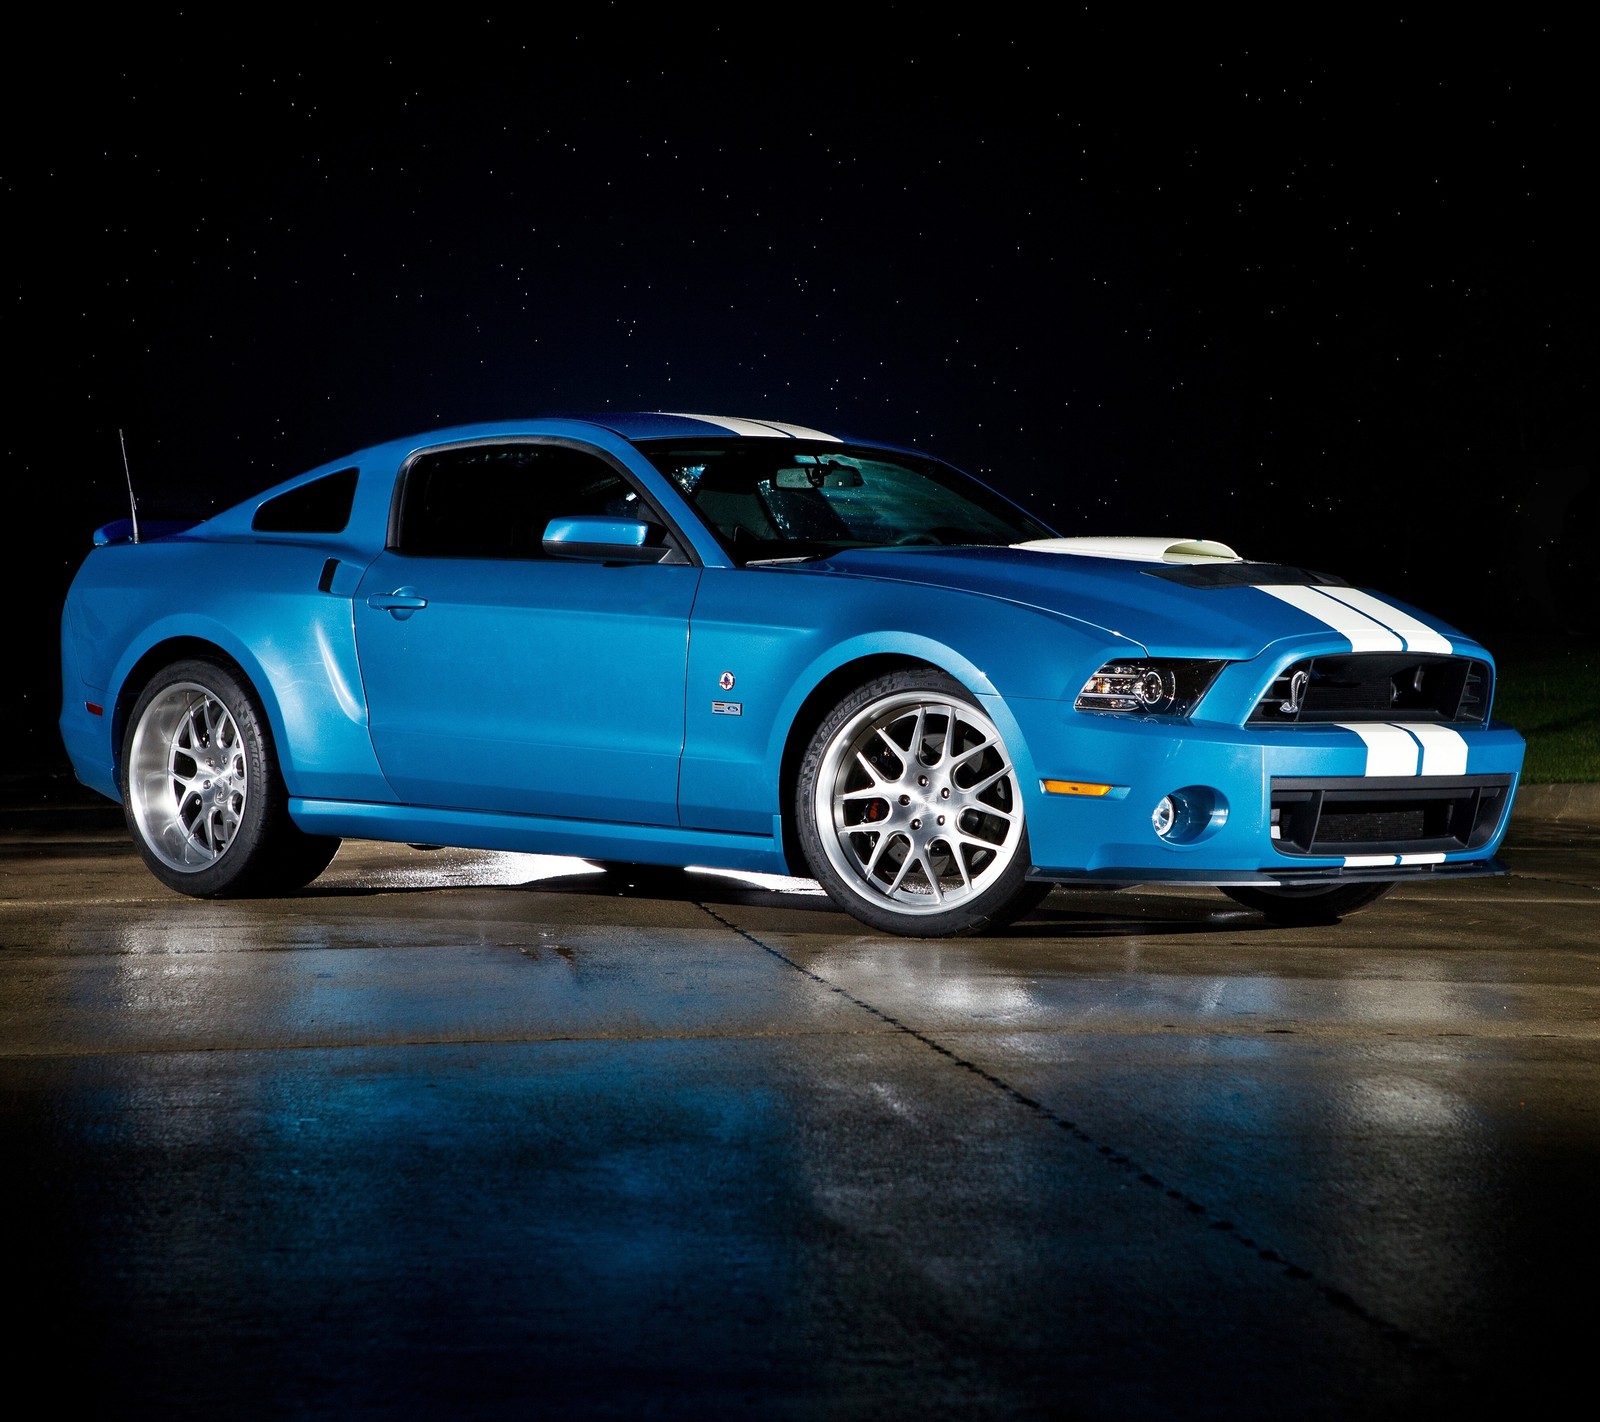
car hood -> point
(1173, 597)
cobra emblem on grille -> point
(1297, 693)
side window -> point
(493, 501)
(322, 506)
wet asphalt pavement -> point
(464, 1135)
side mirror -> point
(599, 538)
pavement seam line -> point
(1338, 1297)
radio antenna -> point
(133, 503)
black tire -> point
(202, 793)
(1312, 904)
(933, 843)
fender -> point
(302, 664)
(731, 777)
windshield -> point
(776, 499)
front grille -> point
(1378, 686)
(1387, 815)
(1392, 824)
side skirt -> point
(536, 834)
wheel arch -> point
(163, 654)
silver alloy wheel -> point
(187, 777)
(916, 803)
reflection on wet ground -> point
(478, 1135)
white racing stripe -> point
(802, 432)
(770, 429)
(1419, 637)
(1365, 634)
(1371, 624)
(1444, 752)
(1391, 750)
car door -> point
(498, 678)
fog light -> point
(1165, 817)
(1189, 814)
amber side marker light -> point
(1074, 787)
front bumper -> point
(1446, 818)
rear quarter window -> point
(322, 506)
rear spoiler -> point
(121, 530)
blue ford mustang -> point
(680, 639)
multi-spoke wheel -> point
(1311, 904)
(910, 813)
(201, 789)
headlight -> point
(1166, 687)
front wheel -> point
(201, 789)
(910, 813)
(1311, 904)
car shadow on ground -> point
(1090, 913)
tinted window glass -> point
(322, 506)
(493, 501)
(773, 498)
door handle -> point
(401, 603)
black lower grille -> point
(1340, 825)
(1387, 815)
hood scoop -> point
(1138, 550)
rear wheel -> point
(201, 789)
(910, 813)
(1311, 904)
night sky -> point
(1322, 289)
